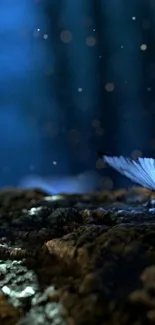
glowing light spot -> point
(54, 162)
(66, 36)
(45, 36)
(54, 198)
(34, 211)
(133, 18)
(143, 47)
(80, 90)
(109, 87)
(91, 41)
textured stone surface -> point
(77, 259)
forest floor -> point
(77, 259)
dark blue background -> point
(75, 77)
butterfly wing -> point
(140, 171)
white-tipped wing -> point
(140, 171)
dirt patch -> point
(77, 259)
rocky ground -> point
(77, 259)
